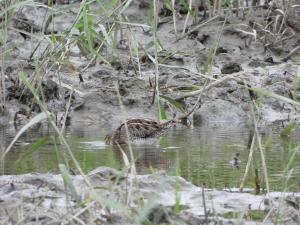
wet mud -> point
(242, 49)
(41, 199)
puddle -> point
(203, 155)
(93, 145)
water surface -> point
(203, 155)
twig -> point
(69, 87)
(260, 148)
(34, 50)
(68, 220)
(132, 163)
(291, 54)
(215, 83)
(30, 212)
(67, 112)
(197, 27)
(195, 105)
(246, 8)
(281, 40)
(78, 220)
(187, 17)
(174, 17)
(250, 157)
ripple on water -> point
(200, 154)
(93, 145)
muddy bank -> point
(124, 199)
(43, 44)
(244, 51)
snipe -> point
(138, 129)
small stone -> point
(231, 67)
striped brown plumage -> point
(138, 129)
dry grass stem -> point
(249, 161)
(261, 151)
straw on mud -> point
(79, 220)
(76, 215)
(29, 213)
(187, 69)
(196, 104)
(291, 53)
(206, 88)
(244, 8)
(197, 27)
(67, 111)
(281, 41)
(283, 21)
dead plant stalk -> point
(187, 16)
(125, 158)
(250, 157)
(262, 155)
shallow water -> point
(202, 155)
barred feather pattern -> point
(138, 129)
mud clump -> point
(183, 57)
(49, 193)
(230, 68)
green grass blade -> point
(125, 6)
(34, 147)
(68, 182)
(86, 25)
(288, 129)
(108, 6)
(173, 102)
(26, 82)
(273, 95)
(162, 112)
(292, 155)
(38, 118)
(31, 149)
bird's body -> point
(134, 129)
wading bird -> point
(134, 129)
